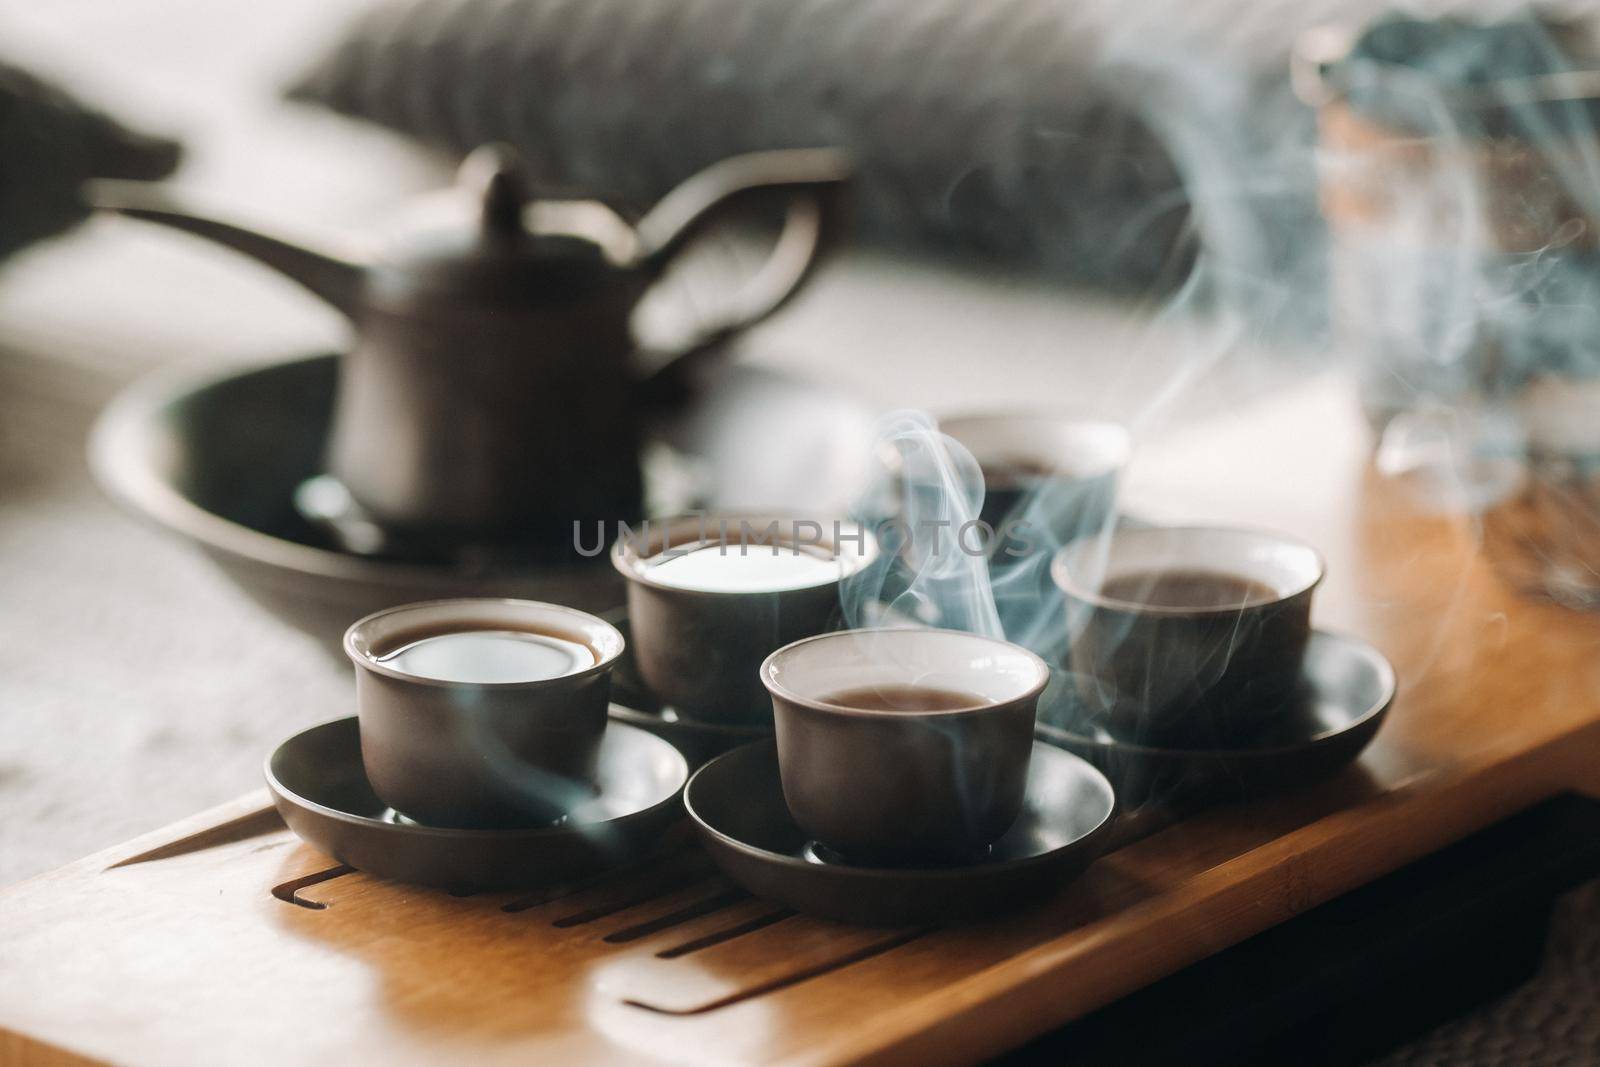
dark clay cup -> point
(1048, 479)
(1187, 676)
(700, 651)
(480, 754)
(904, 786)
(1057, 473)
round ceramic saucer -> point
(321, 790)
(698, 740)
(1346, 689)
(736, 802)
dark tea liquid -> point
(905, 698)
(1015, 475)
(1187, 589)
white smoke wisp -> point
(1237, 290)
(1437, 243)
(931, 569)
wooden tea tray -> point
(224, 940)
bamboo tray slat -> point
(223, 939)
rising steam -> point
(924, 507)
(1426, 220)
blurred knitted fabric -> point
(982, 129)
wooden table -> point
(222, 939)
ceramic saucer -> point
(633, 703)
(1346, 691)
(736, 802)
(321, 790)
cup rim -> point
(776, 688)
(630, 564)
(1066, 584)
(605, 658)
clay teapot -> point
(493, 390)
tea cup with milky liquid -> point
(710, 597)
(482, 712)
(1187, 636)
(904, 746)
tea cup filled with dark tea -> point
(1056, 472)
(1188, 635)
(482, 712)
(709, 597)
(904, 746)
(1047, 479)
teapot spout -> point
(335, 279)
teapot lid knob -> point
(494, 177)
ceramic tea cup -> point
(1047, 479)
(1187, 635)
(482, 712)
(904, 746)
(1056, 472)
(709, 597)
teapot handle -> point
(813, 179)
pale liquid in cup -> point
(910, 698)
(740, 568)
(489, 656)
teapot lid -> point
(485, 240)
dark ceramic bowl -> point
(218, 458)
(699, 649)
(1158, 673)
(904, 786)
(481, 754)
